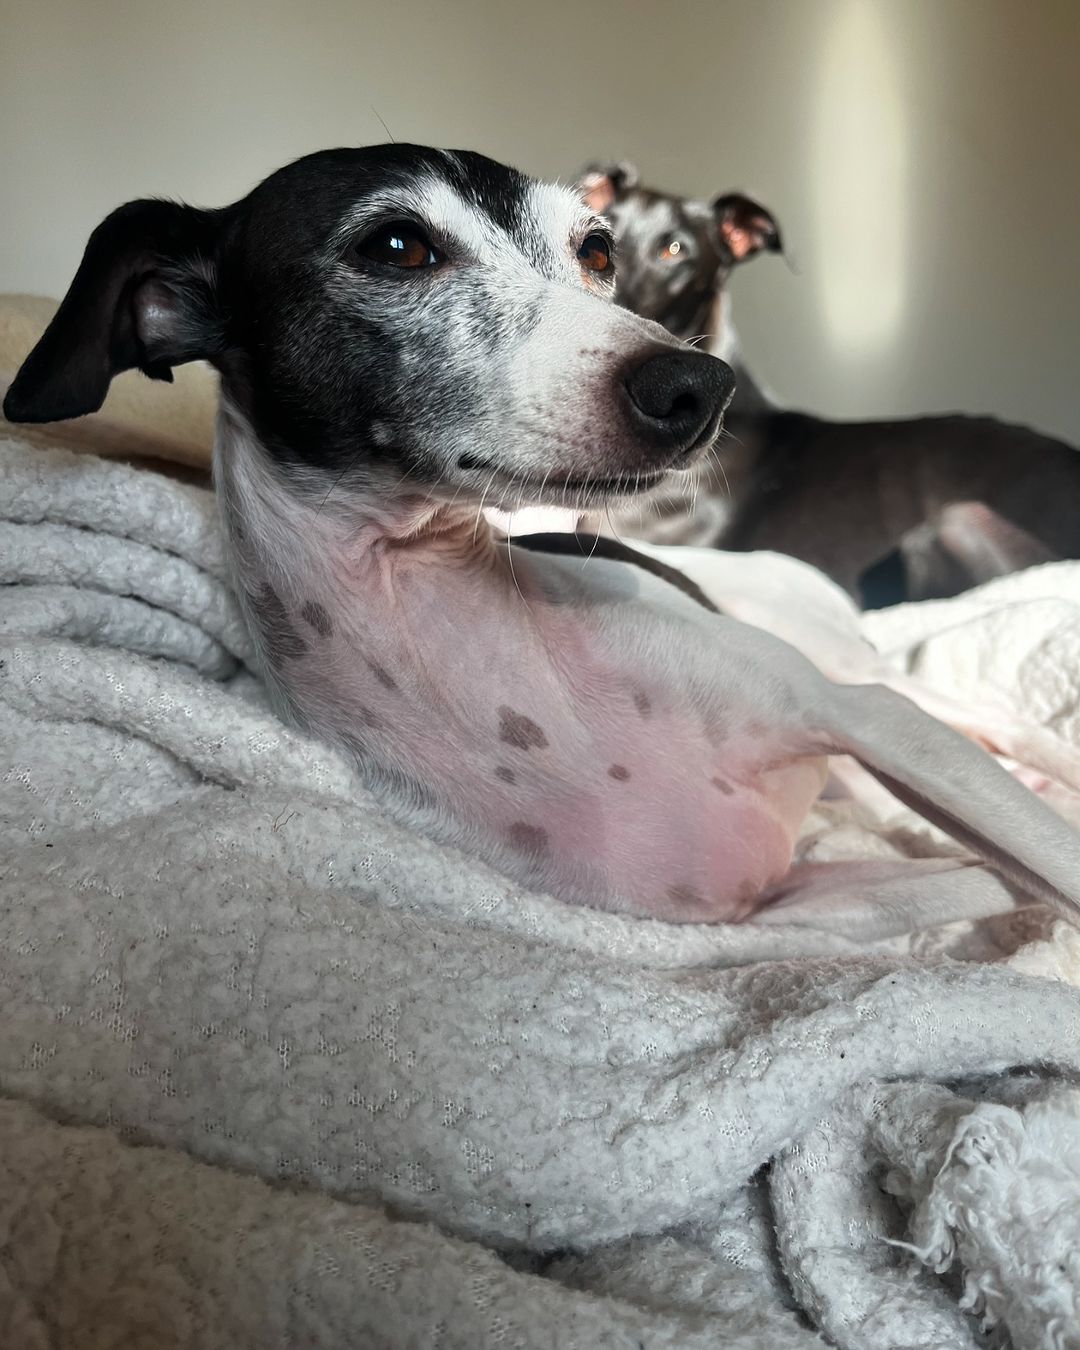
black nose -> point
(677, 396)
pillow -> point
(141, 419)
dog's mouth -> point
(558, 483)
(562, 485)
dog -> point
(892, 510)
(403, 334)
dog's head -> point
(387, 314)
(675, 254)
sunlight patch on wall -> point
(859, 172)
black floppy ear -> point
(603, 184)
(745, 226)
(142, 298)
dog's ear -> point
(143, 297)
(603, 184)
(745, 226)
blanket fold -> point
(259, 1038)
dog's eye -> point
(595, 253)
(671, 250)
(398, 245)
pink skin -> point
(540, 737)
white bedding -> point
(257, 1039)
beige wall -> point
(922, 155)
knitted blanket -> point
(275, 1072)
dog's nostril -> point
(683, 403)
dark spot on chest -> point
(724, 786)
(507, 775)
(686, 897)
(643, 703)
(528, 838)
(365, 720)
(619, 772)
(717, 728)
(280, 638)
(318, 617)
(520, 731)
(382, 675)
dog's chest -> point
(595, 773)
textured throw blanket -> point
(275, 1072)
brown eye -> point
(595, 253)
(398, 245)
(671, 251)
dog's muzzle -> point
(677, 401)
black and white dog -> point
(892, 510)
(402, 334)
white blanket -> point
(274, 1072)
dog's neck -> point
(361, 608)
(317, 546)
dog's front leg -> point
(794, 602)
(954, 784)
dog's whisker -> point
(480, 508)
(453, 500)
(433, 490)
(611, 523)
(513, 572)
(730, 436)
(544, 482)
(351, 465)
(719, 459)
(383, 124)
